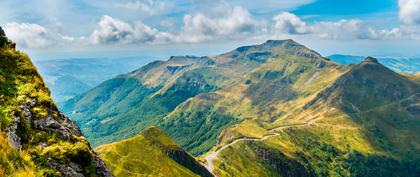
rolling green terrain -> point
(35, 138)
(151, 153)
(274, 109)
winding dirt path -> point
(212, 156)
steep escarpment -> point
(47, 142)
(151, 153)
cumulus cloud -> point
(151, 7)
(226, 23)
(345, 29)
(290, 24)
(409, 12)
(29, 35)
(111, 31)
(235, 23)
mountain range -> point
(398, 64)
(70, 77)
(273, 109)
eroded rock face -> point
(62, 126)
(101, 168)
(2, 32)
(12, 135)
(67, 170)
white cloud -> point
(236, 22)
(409, 12)
(29, 35)
(111, 31)
(344, 30)
(225, 22)
(150, 7)
(290, 24)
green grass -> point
(377, 141)
(144, 155)
(20, 82)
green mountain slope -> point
(275, 109)
(151, 153)
(364, 124)
(35, 138)
(124, 106)
(262, 95)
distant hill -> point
(70, 77)
(151, 153)
(399, 64)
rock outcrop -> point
(35, 125)
(2, 32)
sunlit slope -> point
(366, 123)
(270, 92)
(151, 153)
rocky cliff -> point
(49, 143)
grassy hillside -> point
(14, 162)
(363, 124)
(40, 140)
(124, 106)
(262, 95)
(151, 153)
(275, 109)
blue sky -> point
(88, 28)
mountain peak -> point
(279, 42)
(153, 131)
(276, 47)
(370, 60)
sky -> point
(50, 29)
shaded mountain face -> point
(402, 64)
(274, 109)
(35, 138)
(151, 153)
